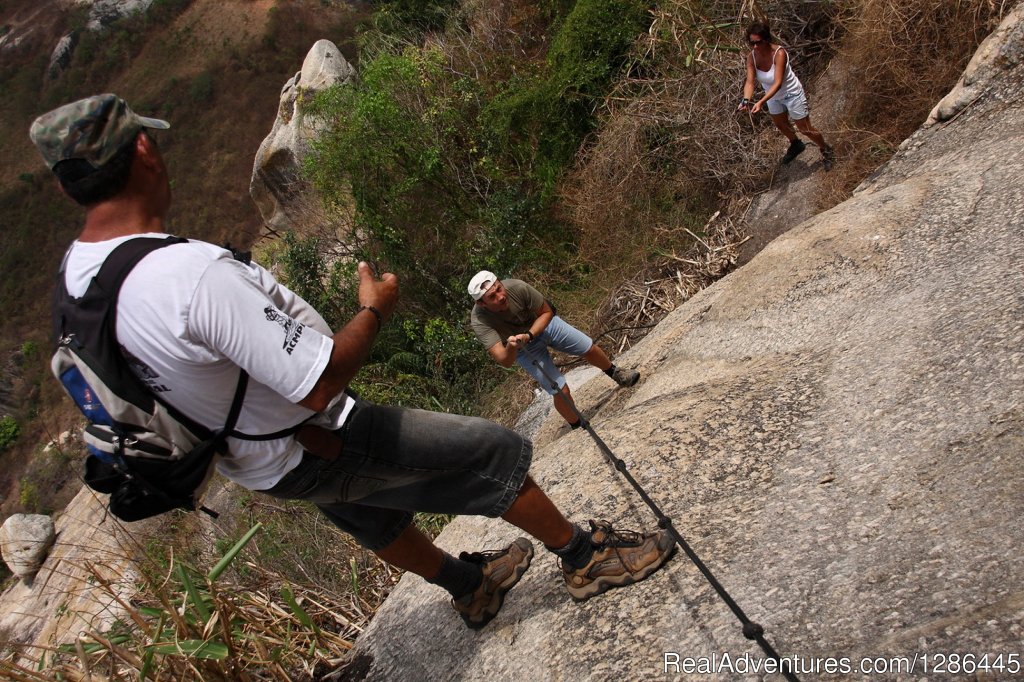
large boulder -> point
(61, 56)
(102, 13)
(277, 186)
(92, 549)
(25, 540)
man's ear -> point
(146, 150)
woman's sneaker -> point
(621, 557)
(828, 158)
(796, 148)
(502, 569)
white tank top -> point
(790, 83)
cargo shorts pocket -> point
(353, 487)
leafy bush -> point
(325, 284)
(186, 624)
(544, 116)
(448, 171)
(413, 18)
(9, 432)
(29, 350)
(403, 145)
(439, 166)
(28, 496)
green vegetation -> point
(28, 496)
(544, 116)
(446, 173)
(9, 432)
(411, 19)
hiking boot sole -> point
(603, 584)
(498, 598)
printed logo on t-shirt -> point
(292, 329)
(144, 372)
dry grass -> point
(506, 403)
(897, 59)
(672, 145)
(642, 301)
(251, 623)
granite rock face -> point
(277, 186)
(61, 56)
(836, 428)
(102, 13)
(64, 598)
(25, 540)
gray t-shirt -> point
(524, 303)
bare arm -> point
(749, 84)
(505, 352)
(544, 316)
(353, 342)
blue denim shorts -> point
(396, 461)
(561, 336)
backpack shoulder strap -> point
(108, 282)
(123, 259)
(111, 277)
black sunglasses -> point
(755, 42)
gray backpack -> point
(149, 456)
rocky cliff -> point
(837, 428)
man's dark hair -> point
(760, 29)
(88, 185)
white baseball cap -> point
(480, 283)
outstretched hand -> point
(517, 340)
(381, 293)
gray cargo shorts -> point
(396, 461)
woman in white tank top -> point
(768, 64)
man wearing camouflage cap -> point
(190, 315)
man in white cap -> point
(191, 317)
(516, 324)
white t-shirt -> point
(189, 315)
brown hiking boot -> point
(621, 557)
(625, 377)
(502, 569)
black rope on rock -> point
(751, 630)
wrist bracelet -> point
(530, 334)
(376, 313)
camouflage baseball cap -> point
(93, 129)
